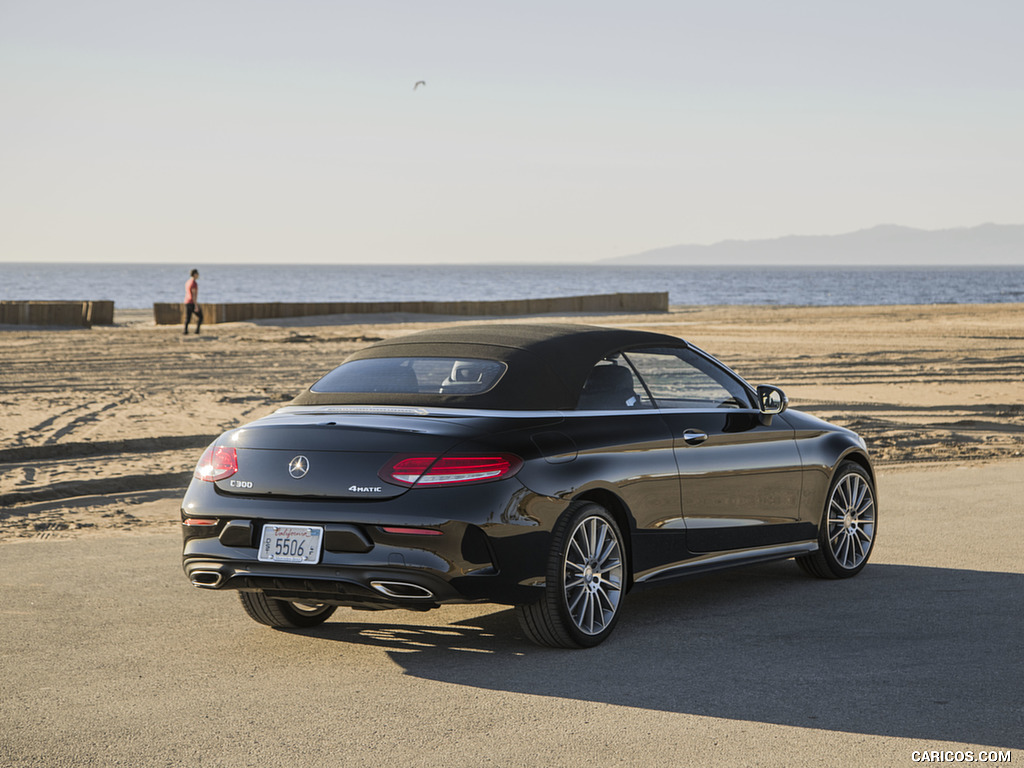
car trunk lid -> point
(330, 455)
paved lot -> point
(109, 658)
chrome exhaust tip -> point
(402, 589)
(207, 579)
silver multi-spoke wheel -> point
(592, 575)
(851, 520)
(846, 534)
(587, 575)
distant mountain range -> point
(888, 244)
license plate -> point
(291, 544)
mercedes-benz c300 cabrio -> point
(552, 468)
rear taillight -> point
(217, 463)
(449, 470)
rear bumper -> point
(492, 547)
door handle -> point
(694, 437)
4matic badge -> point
(366, 489)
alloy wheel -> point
(593, 575)
(851, 521)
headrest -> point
(609, 378)
(463, 371)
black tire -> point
(846, 533)
(585, 581)
(284, 614)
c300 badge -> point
(298, 467)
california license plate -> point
(291, 544)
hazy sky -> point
(254, 131)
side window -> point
(611, 386)
(681, 378)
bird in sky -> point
(419, 83)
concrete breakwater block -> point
(69, 313)
(172, 314)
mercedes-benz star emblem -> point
(298, 467)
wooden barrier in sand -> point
(75, 313)
(172, 314)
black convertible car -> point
(548, 467)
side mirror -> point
(771, 401)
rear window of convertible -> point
(413, 376)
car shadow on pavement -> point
(904, 651)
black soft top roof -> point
(547, 364)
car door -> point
(740, 478)
(622, 445)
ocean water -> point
(139, 286)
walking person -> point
(191, 295)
